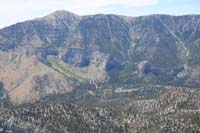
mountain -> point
(64, 53)
(100, 73)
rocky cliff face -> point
(66, 49)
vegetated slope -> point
(178, 112)
(56, 53)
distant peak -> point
(60, 14)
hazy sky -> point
(12, 11)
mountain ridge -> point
(69, 12)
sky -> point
(13, 11)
